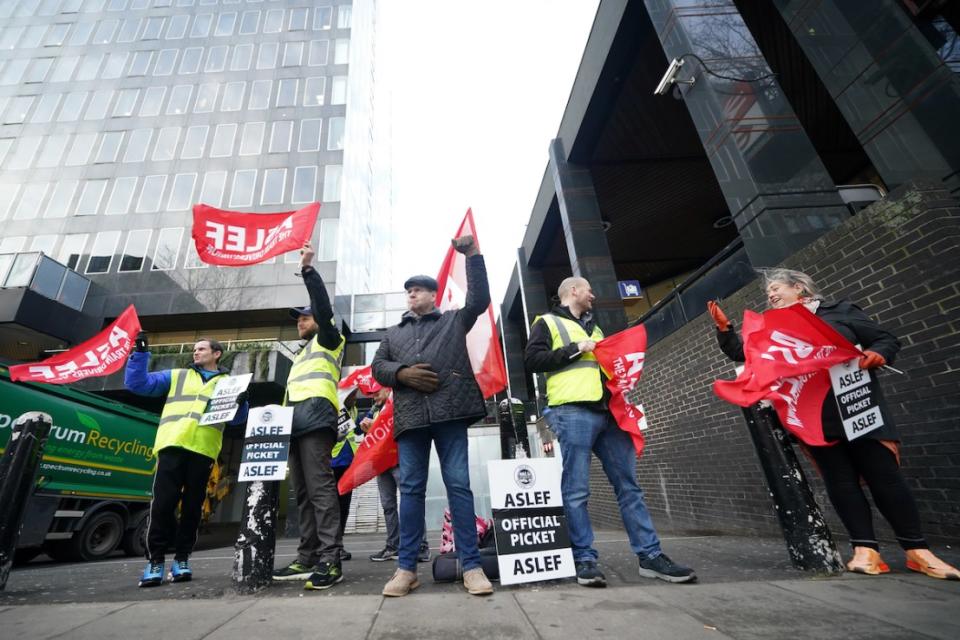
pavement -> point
(747, 590)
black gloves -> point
(141, 342)
(243, 397)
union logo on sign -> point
(267, 416)
(525, 477)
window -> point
(90, 197)
(94, 6)
(331, 182)
(117, 5)
(12, 244)
(313, 95)
(192, 259)
(166, 61)
(44, 243)
(166, 144)
(71, 6)
(201, 25)
(101, 255)
(335, 127)
(72, 105)
(341, 51)
(114, 67)
(30, 201)
(105, 31)
(287, 92)
(89, 66)
(216, 59)
(181, 193)
(298, 19)
(129, 30)
(122, 195)
(223, 136)
(71, 249)
(152, 193)
(267, 56)
(292, 54)
(19, 107)
(153, 29)
(99, 105)
(5, 145)
(206, 97)
(22, 157)
(322, 18)
(141, 63)
(274, 181)
(194, 142)
(212, 190)
(168, 249)
(242, 55)
(53, 151)
(137, 145)
(244, 181)
(109, 147)
(81, 33)
(8, 193)
(233, 96)
(304, 184)
(225, 24)
(152, 101)
(38, 70)
(338, 90)
(14, 71)
(329, 230)
(344, 15)
(178, 26)
(136, 5)
(280, 136)
(318, 53)
(135, 250)
(57, 35)
(32, 37)
(179, 99)
(190, 63)
(249, 22)
(310, 135)
(64, 69)
(273, 23)
(125, 103)
(251, 142)
(260, 94)
(80, 151)
(60, 199)
(46, 107)
(9, 37)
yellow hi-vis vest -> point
(315, 373)
(179, 422)
(581, 380)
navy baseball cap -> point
(296, 312)
(421, 281)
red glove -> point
(719, 317)
(872, 360)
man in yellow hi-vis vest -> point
(312, 391)
(185, 452)
(561, 347)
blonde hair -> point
(568, 284)
(792, 278)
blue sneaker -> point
(180, 571)
(152, 575)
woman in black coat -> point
(874, 456)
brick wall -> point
(900, 261)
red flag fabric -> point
(376, 454)
(788, 352)
(483, 341)
(101, 355)
(362, 379)
(237, 239)
(621, 357)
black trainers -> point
(424, 554)
(326, 575)
(385, 555)
(293, 571)
(345, 555)
(589, 575)
(666, 569)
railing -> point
(46, 276)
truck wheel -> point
(100, 535)
(135, 540)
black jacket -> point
(857, 327)
(541, 357)
(438, 339)
(317, 413)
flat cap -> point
(421, 281)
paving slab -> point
(459, 616)
(183, 620)
(345, 618)
(40, 622)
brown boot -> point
(866, 560)
(923, 561)
(402, 583)
(476, 583)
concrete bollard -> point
(256, 542)
(18, 477)
(809, 541)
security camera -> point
(670, 78)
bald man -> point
(561, 347)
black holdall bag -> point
(446, 566)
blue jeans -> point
(580, 432)
(413, 447)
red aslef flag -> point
(101, 355)
(238, 239)
(483, 341)
(361, 378)
(621, 356)
(376, 454)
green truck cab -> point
(94, 484)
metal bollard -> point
(809, 541)
(513, 428)
(18, 477)
(254, 550)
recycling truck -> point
(94, 483)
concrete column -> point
(586, 238)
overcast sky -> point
(478, 90)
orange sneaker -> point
(923, 561)
(866, 560)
